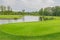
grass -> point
(9, 16)
(44, 30)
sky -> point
(29, 5)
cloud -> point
(9, 2)
(37, 3)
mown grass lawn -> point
(44, 30)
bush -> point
(51, 18)
(15, 18)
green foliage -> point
(50, 11)
(41, 12)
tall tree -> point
(23, 12)
(9, 10)
(48, 11)
(2, 9)
(41, 11)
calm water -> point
(24, 19)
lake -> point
(24, 19)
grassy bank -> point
(10, 16)
(45, 30)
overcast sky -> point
(29, 5)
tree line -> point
(48, 11)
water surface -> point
(24, 19)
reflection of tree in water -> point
(9, 20)
(23, 11)
(23, 19)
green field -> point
(10, 16)
(44, 30)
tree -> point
(23, 12)
(9, 10)
(57, 11)
(48, 11)
(41, 12)
(2, 9)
